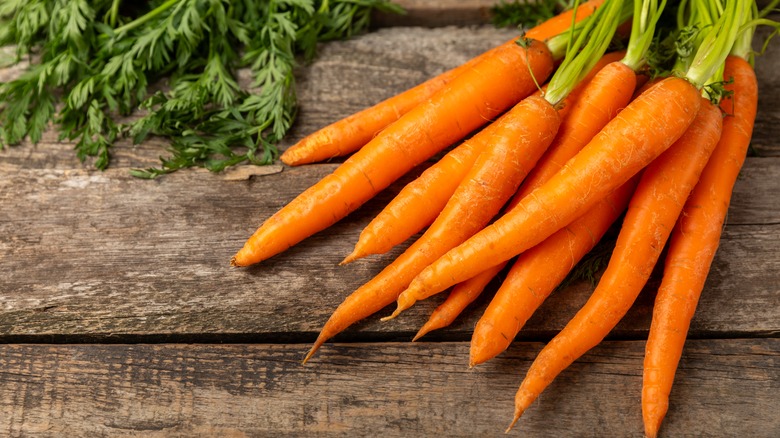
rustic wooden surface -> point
(95, 258)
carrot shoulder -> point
(353, 132)
(478, 95)
(513, 151)
(630, 141)
(651, 215)
(693, 245)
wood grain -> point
(101, 254)
(723, 388)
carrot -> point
(351, 133)
(514, 149)
(538, 271)
(651, 215)
(693, 245)
(585, 117)
(491, 86)
(420, 201)
(461, 296)
(609, 92)
(630, 141)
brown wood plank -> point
(103, 254)
(723, 388)
(438, 13)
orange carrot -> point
(630, 141)
(693, 245)
(491, 86)
(609, 92)
(589, 111)
(538, 271)
(652, 212)
(420, 201)
(515, 146)
(459, 298)
(350, 134)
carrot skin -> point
(538, 271)
(693, 245)
(630, 141)
(353, 132)
(491, 182)
(478, 95)
(652, 212)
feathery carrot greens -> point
(92, 62)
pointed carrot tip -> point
(349, 259)
(514, 421)
(392, 315)
(317, 344)
(424, 330)
(233, 261)
(309, 355)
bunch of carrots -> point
(557, 139)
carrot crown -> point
(584, 49)
(646, 15)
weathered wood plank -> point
(437, 13)
(101, 254)
(723, 388)
(351, 75)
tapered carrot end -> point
(425, 329)
(395, 313)
(317, 344)
(404, 302)
(651, 432)
(233, 261)
(514, 421)
(350, 258)
(652, 425)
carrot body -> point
(420, 201)
(597, 99)
(478, 95)
(630, 141)
(693, 245)
(651, 215)
(353, 132)
(609, 92)
(538, 271)
(513, 151)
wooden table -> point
(119, 314)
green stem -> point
(646, 15)
(146, 17)
(589, 46)
(717, 43)
(113, 13)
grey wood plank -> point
(723, 388)
(102, 255)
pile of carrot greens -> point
(93, 62)
(550, 139)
